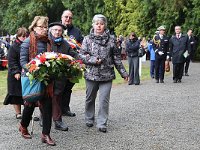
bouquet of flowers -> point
(50, 65)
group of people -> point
(179, 48)
(98, 52)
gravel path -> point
(150, 116)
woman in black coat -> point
(132, 48)
(14, 95)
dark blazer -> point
(178, 47)
(14, 86)
(132, 48)
(75, 33)
(64, 48)
(161, 45)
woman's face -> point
(99, 27)
(41, 28)
(22, 38)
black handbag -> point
(141, 52)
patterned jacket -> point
(104, 48)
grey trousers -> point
(92, 88)
(134, 77)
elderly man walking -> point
(178, 47)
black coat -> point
(74, 33)
(178, 47)
(132, 48)
(64, 48)
(14, 86)
(161, 45)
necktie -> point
(178, 36)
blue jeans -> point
(152, 68)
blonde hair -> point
(44, 20)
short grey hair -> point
(99, 17)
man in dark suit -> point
(178, 47)
(75, 34)
(161, 46)
(191, 53)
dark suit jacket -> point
(178, 47)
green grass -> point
(78, 86)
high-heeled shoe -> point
(47, 139)
(24, 132)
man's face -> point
(162, 32)
(67, 18)
(177, 30)
(56, 31)
(190, 32)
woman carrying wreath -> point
(36, 43)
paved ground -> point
(146, 117)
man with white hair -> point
(73, 33)
(178, 47)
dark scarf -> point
(34, 38)
(18, 41)
(100, 39)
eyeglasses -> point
(42, 27)
(57, 30)
(68, 17)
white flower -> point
(47, 63)
(27, 74)
(37, 62)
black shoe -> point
(161, 81)
(69, 113)
(186, 74)
(175, 81)
(179, 80)
(36, 118)
(89, 124)
(59, 125)
(157, 81)
(104, 130)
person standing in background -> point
(192, 43)
(14, 95)
(161, 46)
(178, 45)
(132, 48)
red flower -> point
(33, 62)
(42, 58)
(79, 61)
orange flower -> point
(32, 67)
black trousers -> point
(46, 110)
(178, 71)
(159, 68)
(67, 96)
(187, 63)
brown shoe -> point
(24, 132)
(47, 139)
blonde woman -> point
(36, 43)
